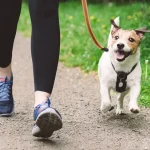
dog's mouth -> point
(121, 55)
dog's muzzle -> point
(121, 55)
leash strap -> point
(121, 82)
(86, 15)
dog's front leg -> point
(134, 94)
(105, 99)
(119, 109)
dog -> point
(119, 69)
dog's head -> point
(125, 42)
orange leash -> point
(85, 11)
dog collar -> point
(121, 82)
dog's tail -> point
(117, 22)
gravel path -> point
(76, 96)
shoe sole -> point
(48, 122)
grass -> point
(77, 48)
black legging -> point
(45, 41)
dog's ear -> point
(140, 32)
(115, 27)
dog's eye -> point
(116, 37)
(131, 40)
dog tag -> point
(120, 84)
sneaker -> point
(6, 98)
(47, 120)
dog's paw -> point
(105, 107)
(119, 111)
(134, 109)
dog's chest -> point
(120, 83)
(109, 78)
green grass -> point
(77, 48)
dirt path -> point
(76, 96)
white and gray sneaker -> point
(46, 120)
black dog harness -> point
(121, 82)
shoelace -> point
(5, 89)
(40, 108)
(47, 102)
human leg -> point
(45, 45)
(9, 15)
(45, 42)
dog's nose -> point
(120, 46)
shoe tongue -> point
(3, 79)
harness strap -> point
(121, 82)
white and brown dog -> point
(119, 68)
